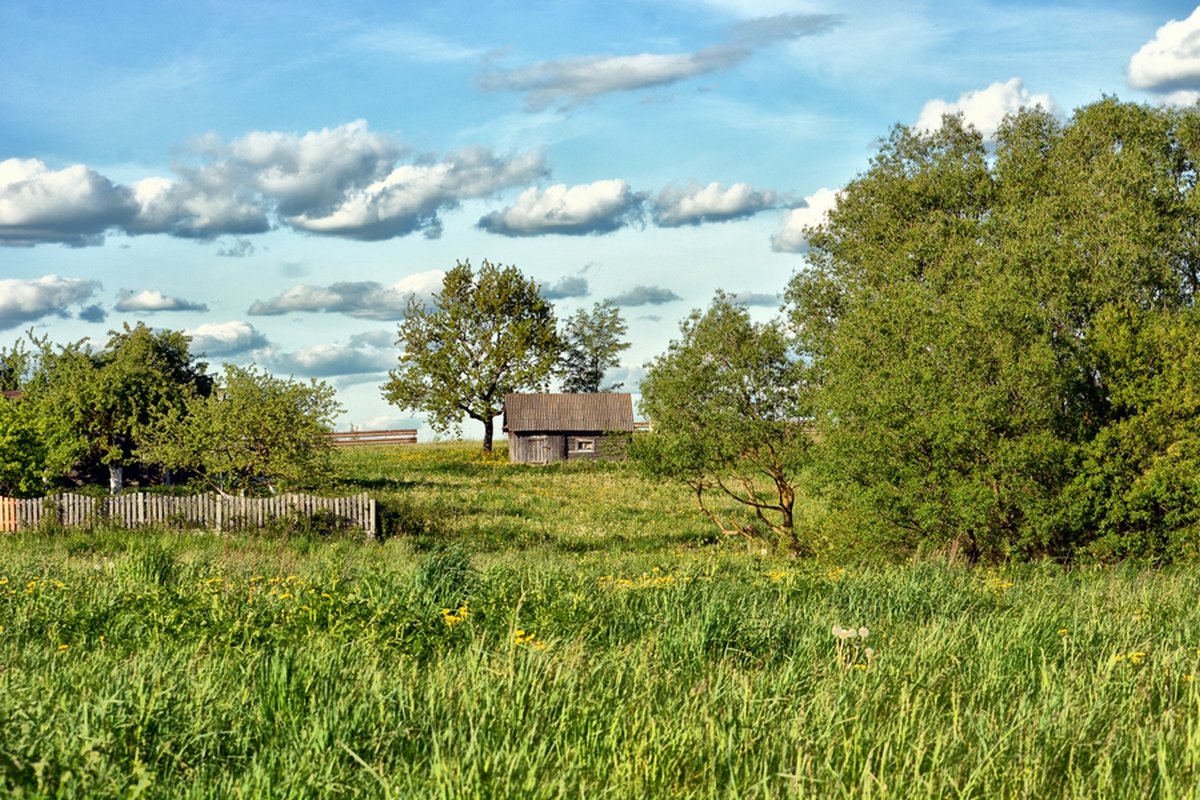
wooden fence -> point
(214, 511)
(360, 438)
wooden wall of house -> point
(545, 448)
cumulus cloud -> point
(691, 205)
(1170, 62)
(566, 287)
(410, 197)
(346, 181)
(644, 296)
(791, 239)
(226, 338)
(572, 80)
(23, 301)
(93, 313)
(986, 108)
(599, 207)
(151, 300)
(361, 299)
(358, 357)
(72, 206)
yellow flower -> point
(1189, 678)
(1137, 656)
(1063, 631)
(62, 648)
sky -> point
(276, 179)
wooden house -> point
(543, 428)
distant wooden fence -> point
(361, 438)
(214, 511)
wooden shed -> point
(543, 428)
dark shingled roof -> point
(606, 411)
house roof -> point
(605, 411)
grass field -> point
(576, 632)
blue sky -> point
(277, 178)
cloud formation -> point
(410, 197)
(790, 238)
(23, 301)
(72, 206)
(368, 353)
(1170, 62)
(238, 248)
(360, 299)
(986, 108)
(572, 80)
(644, 296)
(566, 287)
(599, 207)
(225, 338)
(151, 300)
(347, 181)
(691, 205)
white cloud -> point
(414, 45)
(644, 296)
(331, 360)
(203, 204)
(361, 299)
(986, 108)
(151, 300)
(225, 338)
(72, 206)
(572, 80)
(1170, 62)
(790, 239)
(411, 196)
(24, 301)
(694, 204)
(598, 207)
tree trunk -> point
(487, 435)
(116, 478)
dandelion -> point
(1063, 632)
(452, 618)
(1189, 678)
(62, 648)
(1137, 656)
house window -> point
(585, 445)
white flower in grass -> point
(863, 631)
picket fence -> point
(214, 511)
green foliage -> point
(963, 316)
(591, 346)
(22, 452)
(728, 409)
(99, 406)
(485, 335)
(255, 432)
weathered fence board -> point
(362, 438)
(219, 512)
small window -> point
(585, 445)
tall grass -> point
(166, 665)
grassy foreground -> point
(505, 645)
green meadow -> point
(576, 631)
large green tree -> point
(592, 345)
(484, 335)
(96, 406)
(958, 312)
(254, 432)
(729, 415)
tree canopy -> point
(592, 345)
(728, 411)
(484, 335)
(998, 335)
(254, 432)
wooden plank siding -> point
(364, 438)
(213, 511)
(544, 428)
